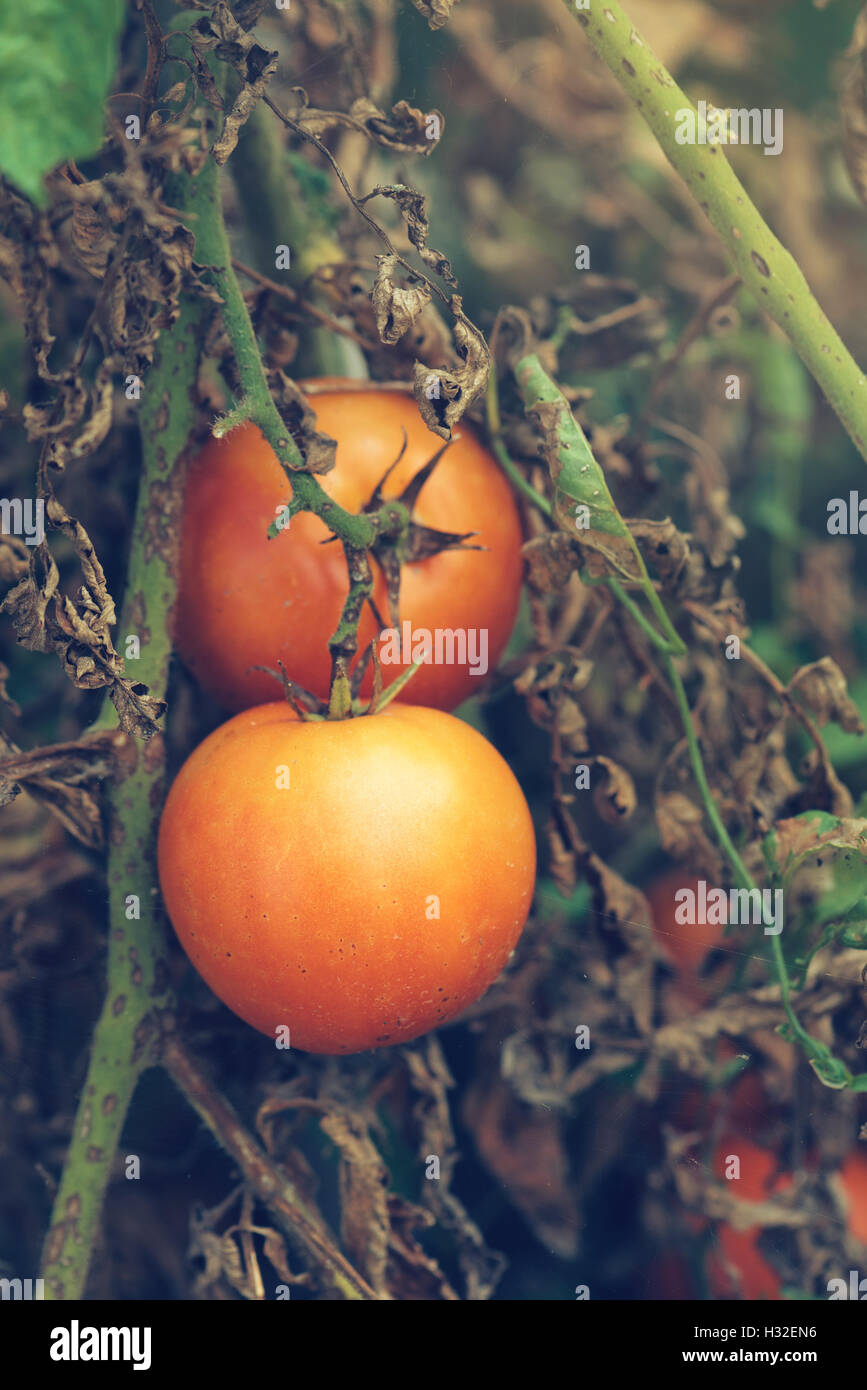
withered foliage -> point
(473, 1163)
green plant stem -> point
(764, 264)
(127, 1032)
(276, 214)
(509, 467)
(257, 405)
(662, 644)
(569, 455)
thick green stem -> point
(277, 213)
(257, 405)
(763, 263)
(126, 1034)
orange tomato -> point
(245, 600)
(739, 1269)
(853, 1175)
(685, 945)
(359, 881)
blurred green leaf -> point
(56, 62)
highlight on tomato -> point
(346, 884)
(246, 601)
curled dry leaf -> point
(396, 306)
(436, 12)
(62, 776)
(220, 33)
(364, 1219)
(522, 1147)
(444, 394)
(682, 835)
(406, 131)
(664, 547)
(614, 794)
(318, 450)
(45, 619)
(412, 1273)
(551, 559)
(413, 208)
(822, 687)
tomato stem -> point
(767, 269)
(577, 474)
(126, 1033)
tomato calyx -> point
(306, 705)
(401, 539)
(344, 701)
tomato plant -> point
(247, 601)
(359, 881)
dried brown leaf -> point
(666, 548)
(614, 793)
(406, 131)
(551, 559)
(220, 33)
(364, 1218)
(682, 834)
(298, 414)
(61, 775)
(822, 687)
(436, 12)
(444, 395)
(45, 619)
(412, 1273)
(522, 1147)
(396, 306)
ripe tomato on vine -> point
(356, 881)
(246, 601)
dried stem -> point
(303, 1226)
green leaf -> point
(57, 59)
(583, 505)
(812, 835)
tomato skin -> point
(760, 1178)
(684, 945)
(853, 1176)
(245, 601)
(307, 906)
